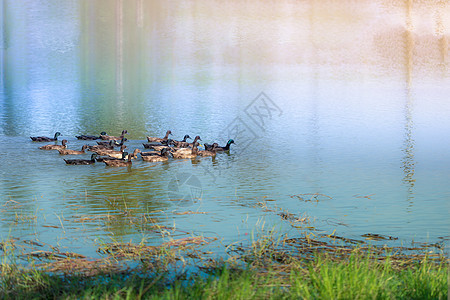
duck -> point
(157, 144)
(156, 157)
(209, 147)
(226, 147)
(210, 152)
(116, 138)
(197, 138)
(82, 161)
(72, 152)
(112, 153)
(157, 139)
(182, 142)
(112, 143)
(94, 148)
(186, 152)
(55, 147)
(90, 137)
(119, 162)
(103, 158)
(44, 138)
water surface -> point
(360, 116)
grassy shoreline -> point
(322, 278)
(270, 268)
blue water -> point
(367, 133)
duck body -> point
(112, 153)
(119, 162)
(226, 147)
(156, 144)
(55, 147)
(207, 152)
(114, 138)
(94, 148)
(44, 138)
(163, 155)
(82, 161)
(186, 152)
(72, 152)
(112, 143)
(182, 142)
(90, 137)
(159, 140)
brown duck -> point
(72, 152)
(119, 162)
(55, 147)
(115, 138)
(159, 140)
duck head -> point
(165, 152)
(57, 134)
(186, 137)
(64, 142)
(93, 156)
(231, 142)
(102, 133)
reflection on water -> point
(337, 70)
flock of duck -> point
(160, 149)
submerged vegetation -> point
(304, 264)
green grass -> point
(357, 277)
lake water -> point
(340, 112)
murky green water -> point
(355, 109)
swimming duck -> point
(90, 137)
(94, 148)
(226, 147)
(210, 152)
(182, 142)
(186, 152)
(112, 153)
(82, 161)
(103, 158)
(116, 138)
(72, 152)
(157, 139)
(209, 147)
(44, 138)
(55, 147)
(162, 156)
(119, 162)
(112, 143)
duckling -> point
(116, 138)
(94, 148)
(163, 156)
(157, 139)
(82, 161)
(119, 162)
(44, 138)
(72, 152)
(186, 153)
(114, 143)
(182, 142)
(90, 137)
(55, 147)
(226, 147)
(111, 153)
